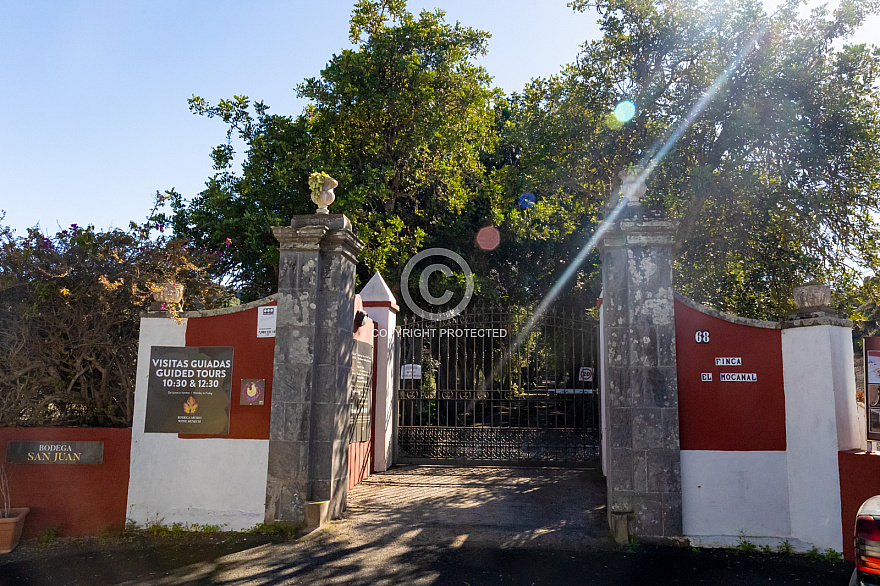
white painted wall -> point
(205, 481)
(811, 427)
(725, 493)
(376, 290)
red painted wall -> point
(81, 499)
(728, 416)
(859, 481)
(253, 358)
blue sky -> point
(95, 117)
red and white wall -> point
(761, 428)
(209, 480)
(221, 479)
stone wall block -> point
(620, 477)
(296, 421)
(293, 345)
(620, 434)
(643, 343)
(648, 517)
(320, 490)
(671, 438)
(655, 387)
(320, 454)
(672, 514)
(663, 471)
(324, 420)
(666, 345)
(619, 384)
(640, 471)
(647, 428)
(616, 347)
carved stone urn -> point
(164, 294)
(326, 196)
(813, 295)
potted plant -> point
(11, 518)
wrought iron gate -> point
(466, 394)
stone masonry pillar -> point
(644, 466)
(309, 429)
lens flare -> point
(526, 201)
(488, 238)
(647, 165)
(625, 111)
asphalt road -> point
(432, 525)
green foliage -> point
(785, 548)
(48, 536)
(775, 183)
(278, 529)
(814, 554)
(400, 122)
(833, 556)
(744, 545)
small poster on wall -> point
(252, 391)
(872, 382)
(189, 390)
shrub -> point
(70, 308)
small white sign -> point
(411, 372)
(266, 317)
(739, 377)
(706, 376)
(586, 374)
(732, 361)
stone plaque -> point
(362, 378)
(189, 390)
(55, 452)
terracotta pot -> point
(10, 528)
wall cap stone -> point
(771, 325)
(233, 309)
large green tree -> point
(775, 183)
(400, 121)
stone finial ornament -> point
(322, 186)
(813, 295)
(630, 186)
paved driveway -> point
(500, 506)
(402, 526)
(468, 526)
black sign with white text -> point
(189, 390)
(55, 452)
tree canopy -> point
(775, 182)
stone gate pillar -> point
(641, 399)
(309, 429)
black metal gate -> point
(466, 393)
